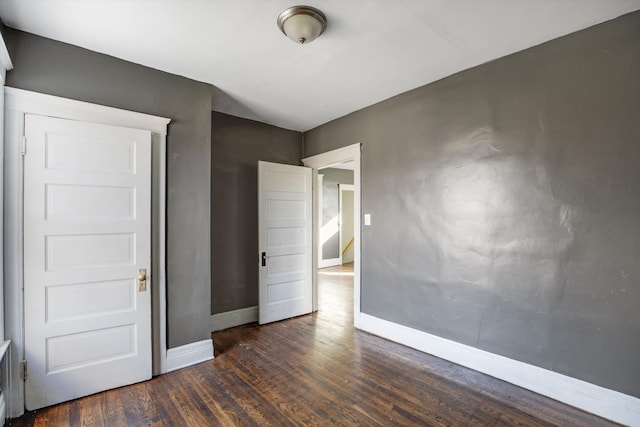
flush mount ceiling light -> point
(302, 24)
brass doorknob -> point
(142, 280)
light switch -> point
(367, 219)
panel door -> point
(87, 222)
(285, 233)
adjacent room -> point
(389, 212)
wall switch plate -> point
(367, 219)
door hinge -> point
(24, 370)
(23, 145)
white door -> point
(285, 239)
(87, 223)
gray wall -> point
(505, 205)
(331, 205)
(51, 67)
(236, 146)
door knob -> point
(142, 280)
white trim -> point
(13, 299)
(161, 320)
(342, 188)
(333, 157)
(5, 59)
(319, 219)
(331, 262)
(230, 319)
(591, 398)
(48, 105)
(322, 263)
(316, 251)
(7, 376)
(17, 103)
(3, 409)
(325, 160)
(3, 401)
(4, 346)
(159, 258)
(5, 64)
(189, 354)
(2, 80)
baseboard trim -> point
(591, 398)
(189, 354)
(230, 319)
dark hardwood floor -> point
(315, 370)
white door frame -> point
(17, 103)
(341, 189)
(329, 262)
(325, 160)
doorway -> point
(346, 155)
(335, 245)
(87, 246)
(19, 103)
(335, 218)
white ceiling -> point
(371, 50)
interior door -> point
(285, 240)
(87, 222)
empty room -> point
(366, 212)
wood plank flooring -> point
(315, 370)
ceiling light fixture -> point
(302, 24)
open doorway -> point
(343, 157)
(336, 241)
(335, 214)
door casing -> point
(18, 102)
(324, 160)
(341, 189)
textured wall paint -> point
(331, 206)
(236, 146)
(47, 66)
(514, 193)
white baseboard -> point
(324, 263)
(230, 319)
(591, 398)
(189, 354)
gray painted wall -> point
(55, 68)
(505, 205)
(236, 146)
(331, 205)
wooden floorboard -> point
(315, 370)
